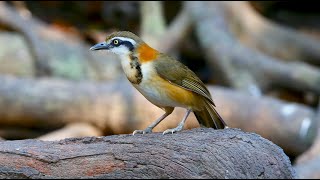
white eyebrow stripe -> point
(125, 39)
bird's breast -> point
(132, 68)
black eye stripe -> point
(128, 44)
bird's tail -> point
(209, 117)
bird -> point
(164, 81)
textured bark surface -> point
(196, 153)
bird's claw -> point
(172, 130)
(142, 131)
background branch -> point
(117, 108)
(72, 130)
(153, 23)
(307, 164)
(176, 32)
(246, 69)
(52, 52)
(270, 37)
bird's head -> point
(121, 43)
(126, 43)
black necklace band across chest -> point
(135, 65)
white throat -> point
(121, 51)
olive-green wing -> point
(179, 74)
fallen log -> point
(196, 153)
(117, 108)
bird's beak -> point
(100, 46)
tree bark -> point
(196, 153)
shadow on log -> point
(196, 153)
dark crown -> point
(126, 34)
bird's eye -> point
(115, 42)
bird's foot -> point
(147, 130)
(173, 130)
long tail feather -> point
(209, 117)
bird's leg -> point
(155, 123)
(180, 126)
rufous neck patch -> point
(146, 53)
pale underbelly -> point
(164, 94)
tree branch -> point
(243, 67)
(179, 28)
(10, 17)
(52, 52)
(152, 21)
(218, 44)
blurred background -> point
(260, 60)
